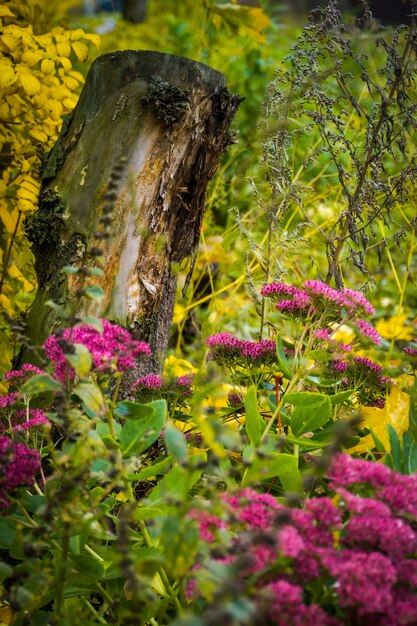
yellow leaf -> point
(5, 302)
(64, 49)
(66, 63)
(9, 41)
(38, 134)
(55, 109)
(47, 67)
(7, 76)
(25, 194)
(9, 219)
(51, 49)
(40, 99)
(30, 84)
(27, 206)
(395, 327)
(6, 614)
(178, 367)
(5, 11)
(69, 104)
(31, 58)
(122, 497)
(95, 39)
(80, 49)
(77, 75)
(395, 412)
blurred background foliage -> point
(247, 236)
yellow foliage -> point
(395, 327)
(395, 412)
(37, 86)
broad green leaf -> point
(40, 384)
(175, 442)
(91, 396)
(147, 512)
(94, 292)
(137, 435)
(307, 444)
(284, 466)
(312, 410)
(254, 424)
(85, 570)
(410, 453)
(133, 410)
(7, 533)
(178, 481)
(395, 448)
(152, 470)
(81, 359)
(282, 359)
(61, 310)
(341, 397)
(94, 322)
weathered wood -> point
(168, 118)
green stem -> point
(148, 541)
(61, 571)
(92, 610)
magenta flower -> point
(150, 381)
(112, 350)
(18, 467)
(367, 330)
(36, 418)
(356, 301)
(228, 349)
(25, 370)
(9, 399)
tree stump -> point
(167, 118)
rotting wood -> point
(168, 117)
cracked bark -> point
(168, 117)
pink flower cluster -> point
(317, 298)
(224, 347)
(112, 350)
(27, 370)
(37, 418)
(19, 465)
(152, 386)
(150, 381)
(347, 558)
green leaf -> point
(152, 470)
(254, 424)
(175, 442)
(147, 512)
(312, 410)
(61, 310)
(94, 292)
(283, 466)
(133, 410)
(410, 453)
(7, 533)
(81, 359)
(70, 269)
(178, 482)
(341, 397)
(282, 359)
(91, 396)
(94, 322)
(307, 444)
(40, 384)
(85, 570)
(137, 435)
(395, 449)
